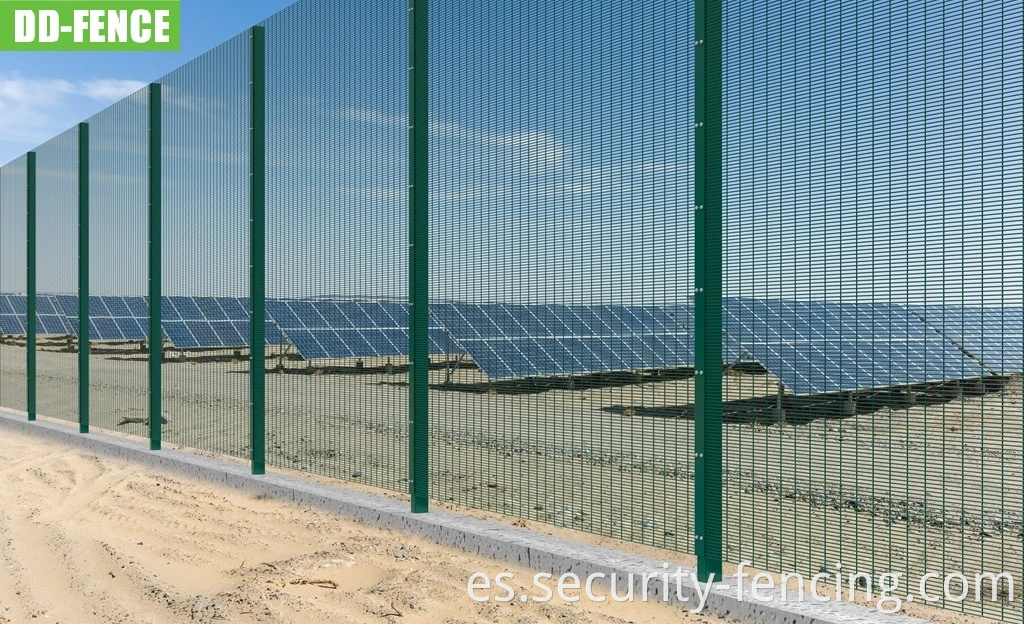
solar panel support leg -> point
(958, 390)
(909, 396)
(780, 411)
(850, 404)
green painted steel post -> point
(708, 287)
(257, 249)
(83, 277)
(30, 286)
(419, 275)
(156, 342)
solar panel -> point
(13, 314)
(345, 329)
(508, 340)
(114, 318)
(817, 347)
(50, 320)
(993, 335)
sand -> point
(931, 487)
(90, 539)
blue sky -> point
(43, 93)
(871, 152)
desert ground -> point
(927, 481)
(90, 539)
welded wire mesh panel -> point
(118, 235)
(206, 249)
(873, 269)
(57, 274)
(13, 275)
(337, 232)
(560, 263)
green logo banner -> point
(90, 25)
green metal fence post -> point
(156, 342)
(30, 286)
(419, 288)
(257, 249)
(83, 277)
(708, 287)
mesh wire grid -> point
(13, 272)
(119, 267)
(873, 280)
(560, 252)
(336, 221)
(872, 269)
(205, 250)
(57, 275)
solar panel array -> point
(508, 340)
(817, 347)
(812, 347)
(345, 329)
(993, 335)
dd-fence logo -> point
(90, 25)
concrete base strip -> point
(510, 544)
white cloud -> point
(552, 167)
(529, 148)
(107, 91)
(32, 110)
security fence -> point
(742, 279)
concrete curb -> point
(498, 541)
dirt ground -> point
(89, 539)
(929, 483)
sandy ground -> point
(929, 487)
(90, 539)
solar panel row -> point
(188, 322)
(508, 340)
(812, 347)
